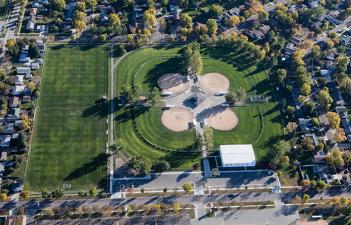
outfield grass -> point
(149, 122)
(69, 136)
(145, 66)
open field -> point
(68, 144)
(259, 124)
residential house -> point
(5, 140)
(346, 125)
(14, 102)
(305, 125)
(26, 98)
(23, 70)
(18, 79)
(3, 156)
(35, 66)
(9, 128)
(18, 90)
(13, 115)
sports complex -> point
(169, 132)
(69, 137)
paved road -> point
(281, 214)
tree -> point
(161, 166)
(335, 158)
(278, 150)
(162, 25)
(10, 43)
(291, 127)
(316, 52)
(164, 3)
(215, 10)
(93, 192)
(240, 93)
(212, 26)
(192, 58)
(208, 138)
(305, 198)
(233, 21)
(58, 193)
(92, 4)
(102, 37)
(284, 161)
(187, 187)
(339, 135)
(305, 183)
(347, 158)
(281, 75)
(342, 63)
(114, 20)
(324, 99)
(176, 207)
(333, 119)
(345, 201)
(45, 193)
(231, 97)
(150, 18)
(79, 25)
(138, 166)
(186, 20)
(81, 6)
(33, 51)
(306, 89)
(321, 185)
(3, 197)
(155, 96)
(25, 194)
(58, 5)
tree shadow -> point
(270, 111)
(58, 47)
(89, 167)
(177, 158)
(131, 113)
(263, 87)
(101, 108)
(172, 65)
(238, 57)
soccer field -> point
(68, 144)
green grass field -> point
(258, 124)
(68, 144)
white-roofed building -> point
(237, 155)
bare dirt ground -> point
(177, 119)
(214, 83)
(223, 120)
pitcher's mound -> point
(224, 120)
(177, 119)
(214, 83)
(173, 83)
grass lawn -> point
(150, 121)
(259, 124)
(68, 144)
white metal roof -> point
(237, 155)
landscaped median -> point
(137, 211)
(211, 208)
